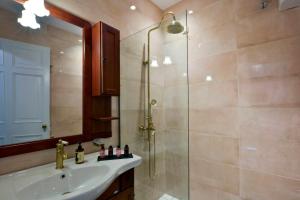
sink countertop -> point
(83, 181)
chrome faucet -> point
(60, 154)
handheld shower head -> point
(153, 102)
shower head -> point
(175, 27)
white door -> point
(24, 92)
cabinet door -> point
(106, 60)
(125, 195)
(111, 60)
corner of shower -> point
(154, 107)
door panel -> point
(27, 91)
(2, 106)
(1, 56)
(28, 101)
(26, 59)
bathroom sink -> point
(84, 181)
(64, 182)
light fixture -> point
(154, 63)
(132, 7)
(28, 20)
(191, 12)
(184, 74)
(167, 60)
(208, 78)
(61, 52)
(80, 40)
(37, 7)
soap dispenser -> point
(79, 154)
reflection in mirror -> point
(40, 78)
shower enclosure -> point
(154, 108)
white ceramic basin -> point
(85, 181)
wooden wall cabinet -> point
(105, 77)
(105, 60)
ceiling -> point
(164, 4)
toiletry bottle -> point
(118, 151)
(79, 154)
(110, 151)
(102, 151)
(126, 150)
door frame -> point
(26, 147)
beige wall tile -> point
(176, 96)
(259, 186)
(246, 8)
(270, 140)
(175, 75)
(268, 26)
(271, 156)
(270, 91)
(221, 67)
(278, 58)
(216, 14)
(219, 121)
(212, 41)
(213, 94)
(260, 48)
(176, 118)
(216, 148)
(205, 192)
(219, 176)
(280, 124)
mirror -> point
(41, 78)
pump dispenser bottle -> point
(79, 154)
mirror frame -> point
(26, 147)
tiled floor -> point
(167, 197)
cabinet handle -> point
(44, 126)
(116, 192)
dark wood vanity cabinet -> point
(105, 60)
(121, 189)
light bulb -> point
(37, 7)
(208, 78)
(167, 60)
(132, 7)
(28, 20)
(154, 63)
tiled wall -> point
(245, 123)
(170, 115)
(133, 97)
